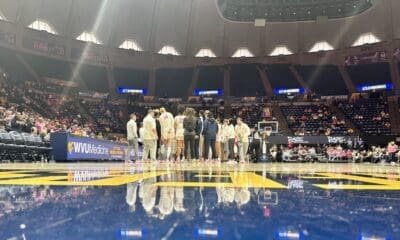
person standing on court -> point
(210, 135)
(179, 133)
(158, 129)
(255, 146)
(218, 141)
(189, 125)
(199, 139)
(243, 132)
(149, 136)
(132, 137)
(167, 132)
(229, 136)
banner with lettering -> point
(311, 139)
(366, 58)
(70, 147)
(90, 55)
(44, 46)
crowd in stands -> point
(314, 120)
(252, 114)
(40, 109)
(27, 110)
(337, 153)
(108, 116)
(371, 116)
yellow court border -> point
(375, 177)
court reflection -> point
(222, 206)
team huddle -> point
(188, 136)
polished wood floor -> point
(196, 166)
(201, 174)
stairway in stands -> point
(393, 102)
(84, 111)
(283, 125)
(341, 115)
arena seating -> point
(109, 117)
(37, 109)
(313, 120)
(252, 114)
(22, 146)
(369, 115)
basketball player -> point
(132, 136)
(149, 136)
(218, 141)
(243, 132)
(167, 132)
(228, 131)
(179, 132)
(199, 138)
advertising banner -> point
(89, 55)
(69, 147)
(44, 46)
(311, 139)
(366, 58)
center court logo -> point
(87, 148)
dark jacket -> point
(189, 125)
(210, 129)
(158, 128)
(199, 127)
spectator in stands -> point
(392, 149)
(132, 135)
(369, 115)
(313, 120)
(252, 114)
(189, 126)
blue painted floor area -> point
(144, 211)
